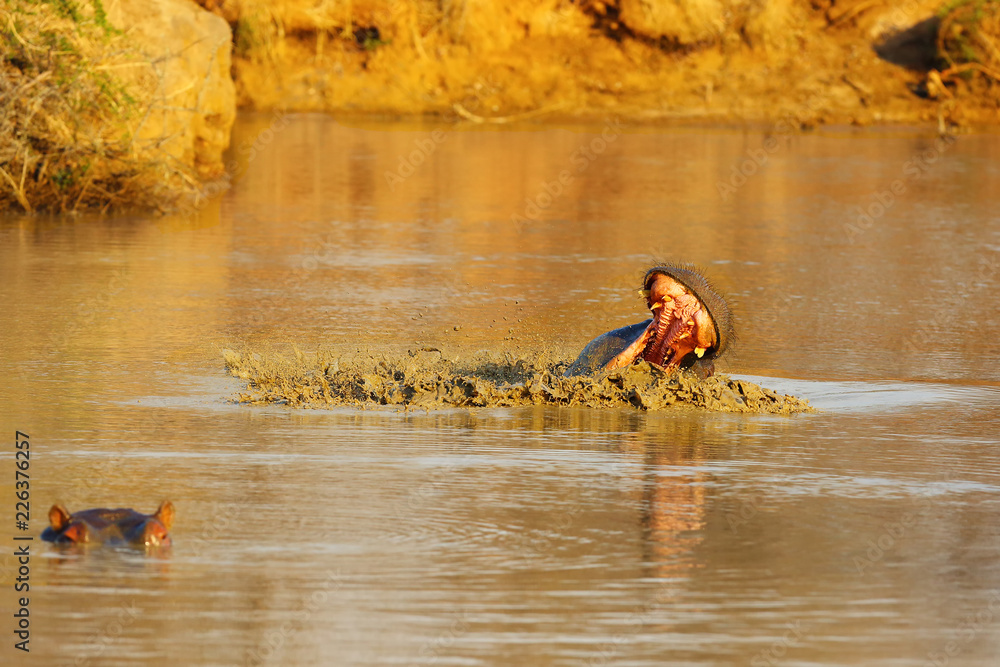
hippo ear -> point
(58, 517)
(165, 514)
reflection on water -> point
(863, 534)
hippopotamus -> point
(113, 527)
(690, 328)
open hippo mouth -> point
(691, 325)
(682, 322)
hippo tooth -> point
(700, 351)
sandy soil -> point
(766, 61)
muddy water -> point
(865, 533)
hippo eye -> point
(77, 533)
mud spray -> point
(428, 378)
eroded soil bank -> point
(822, 61)
(428, 378)
(131, 106)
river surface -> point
(863, 267)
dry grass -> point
(68, 117)
(970, 34)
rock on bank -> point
(121, 104)
(192, 98)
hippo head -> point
(691, 321)
(117, 526)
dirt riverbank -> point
(824, 61)
(130, 106)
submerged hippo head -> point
(691, 326)
(104, 526)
